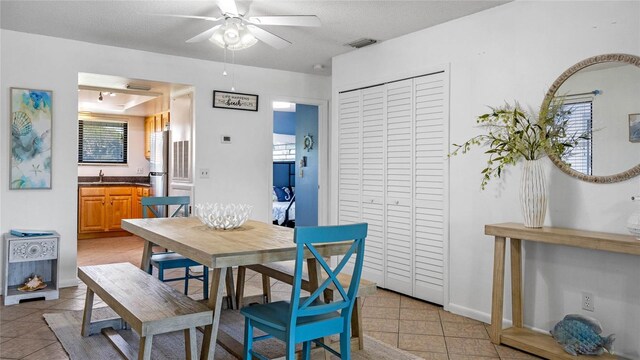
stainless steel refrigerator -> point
(159, 166)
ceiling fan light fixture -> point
(233, 35)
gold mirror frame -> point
(625, 175)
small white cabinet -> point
(26, 257)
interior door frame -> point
(322, 143)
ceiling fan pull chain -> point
(224, 70)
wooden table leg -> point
(498, 289)
(231, 292)
(217, 279)
(516, 282)
(242, 271)
(146, 256)
(86, 315)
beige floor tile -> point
(42, 332)
(469, 357)
(411, 303)
(3, 339)
(17, 328)
(449, 317)
(472, 347)
(385, 293)
(385, 337)
(506, 352)
(429, 355)
(382, 301)
(421, 327)
(18, 348)
(384, 325)
(465, 330)
(427, 343)
(419, 314)
(380, 313)
(54, 351)
(72, 292)
(10, 313)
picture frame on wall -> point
(634, 128)
(235, 101)
(31, 124)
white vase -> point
(533, 193)
(633, 223)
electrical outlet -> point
(587, 302)
(140, 170)
(204, 173)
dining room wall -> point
(240, 172)
(515, 52)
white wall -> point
(240, 172)
(516, 51)
(135, 152)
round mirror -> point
(602, 96)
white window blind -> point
(102, 142)
(580, 122)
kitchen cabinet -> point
(140, 192)
(154, 123)
(102, 208)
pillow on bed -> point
(282, 193)
(274, 195)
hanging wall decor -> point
(31, 120)
(236, 101)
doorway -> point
(126, 129)
(296, 164)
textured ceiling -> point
(129, 24)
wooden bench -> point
(143, 302)
(283, 271)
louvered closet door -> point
(373, 111)
(349, 157)
(398, 187)
(431, 134)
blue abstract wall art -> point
(31, 120)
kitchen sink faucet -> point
(101, 175)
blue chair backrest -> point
(150, 203)
(306, 238)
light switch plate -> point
(225, 139)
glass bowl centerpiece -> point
(223, 216)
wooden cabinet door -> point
(120, 208)
(149, 127)
(166, 119)
(92, 213)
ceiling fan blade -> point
(287, 20)
(228, 7)
(204, 35)
(208, 18)
(269, 38)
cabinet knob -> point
(102, 202)
(397, 202)
(372, 201)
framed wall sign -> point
(236, 101)
(31, 120)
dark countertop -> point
(114, 181)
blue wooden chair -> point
(169, 259)
(307, 319)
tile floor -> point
(421, 328)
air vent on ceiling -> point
(138, 87)
(360, 43)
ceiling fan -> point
(236, 31)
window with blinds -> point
(102, 142)
(580, 122)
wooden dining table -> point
(253, 243)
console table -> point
(517, 336)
